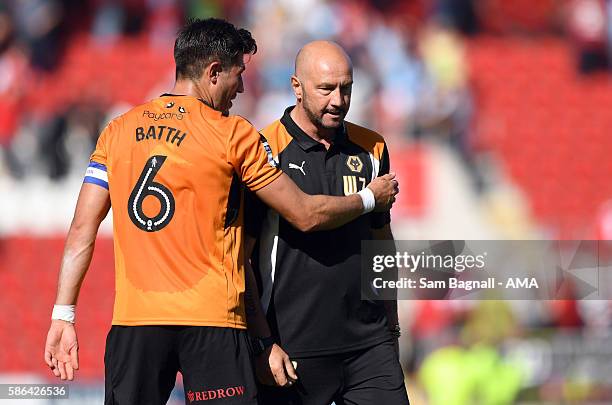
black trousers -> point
(372, 376)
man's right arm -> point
(253, 161)
(318, 212)
(61, 346)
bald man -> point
(345, 348)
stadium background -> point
(497, 117)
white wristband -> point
(63, 313)
(367, 197)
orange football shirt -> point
(175, 168)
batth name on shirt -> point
(157, 132)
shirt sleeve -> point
(380, 219)
(250, 155)
(97, 170)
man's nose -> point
(336, 98)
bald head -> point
(322, 85)
(321, 57)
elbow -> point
(307, 223)
(82, 232)
(305, 216)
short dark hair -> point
(201, 42)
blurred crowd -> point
(504, 352)
(411, 74)
(409, 60)
(410, 68)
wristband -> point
(367, 197)
(63, 313)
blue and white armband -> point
(96, 174)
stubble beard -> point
(317, 120)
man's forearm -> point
(257, 324)
(92, 206)
(75, 262)
(327, 212)
(317, 212)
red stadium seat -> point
(25, 331)
(548, 125)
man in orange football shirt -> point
(172, 170)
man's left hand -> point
(273, 367)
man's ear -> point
(296, 85)
(213, 71)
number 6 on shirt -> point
(145, 186)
